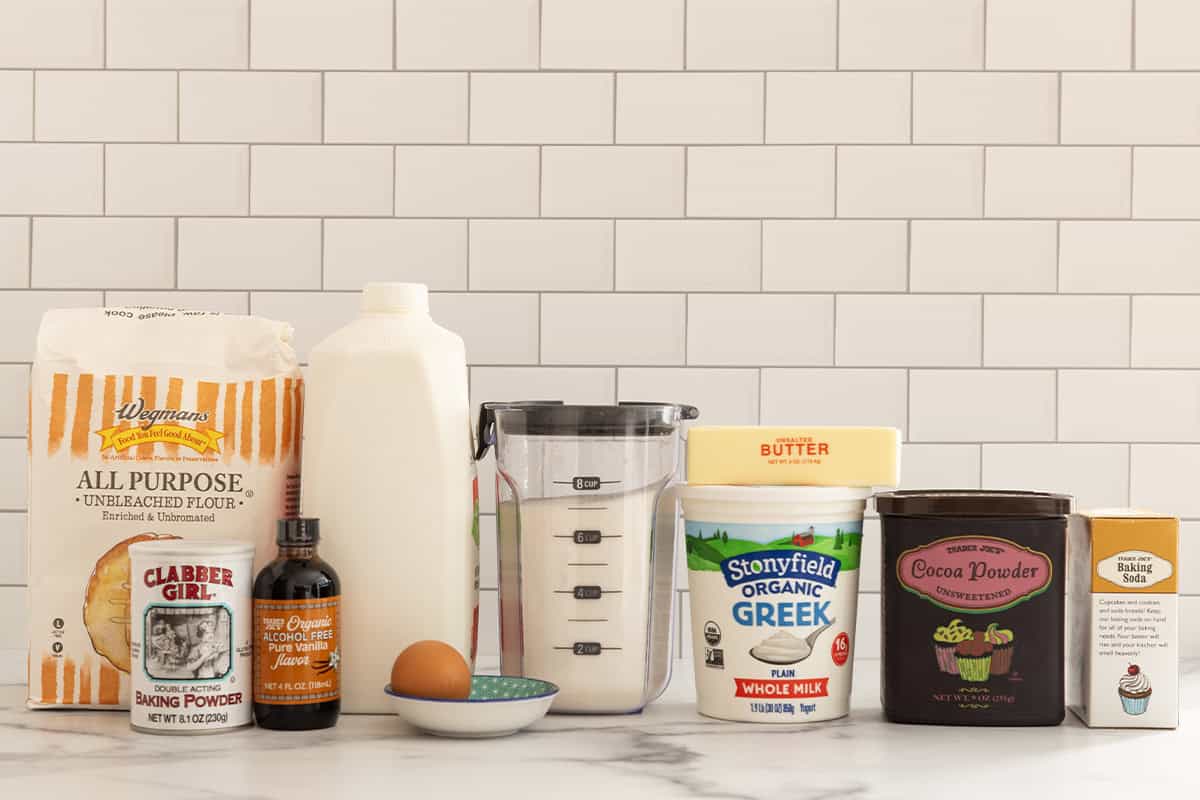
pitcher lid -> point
(555, 418)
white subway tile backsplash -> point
(609, 329)
(304, 180)
(314, 315)
(994, 202)
(724, 396)
(187, 34)
(841, 107)
(453, 181)
(249, 254)
(769, 329)
(273, 107)
(1189, 555)
(321, 34)
(761, 34)
(467, 34)
(51, 179)
(52, 33)
(688, 255)
(429, 251)
(93, 106)
(940, 466)
(612, 181)
(909, 181)
(1166, 182)
(967, 405)
(1133, 108)
(1060, 35)
(550, 108)
(911, 34)
(834, 255)
(14, 616)
(76, 253)
(14, 402)
(1052, 330)
(497, 328)
(12, 549)
(612, 34)
(908, 330)
(170, 179)
(14, 474)
(1125, 257)
(1163, 478)
(1166, 331)
(549, 254)
(21, 313)
(587, 385)
(220, 302)
(773, 181)
(14, 252)
(835, 397)
(984, 256)
(691, 108)
(404, 108)
(1165, 35)
(1058, 182)
(1128, 405)
(16, 105)
(982, 107)
(1096, 475)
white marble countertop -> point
(666, 752)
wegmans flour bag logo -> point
(145, 423)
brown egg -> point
(431, 669)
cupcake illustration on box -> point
(945, 639)
(1001, 640)
(1134, 689)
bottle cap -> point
(298, 531)
(395, 298)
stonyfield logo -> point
(781, 564)
(974, 574)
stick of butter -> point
(793, 456)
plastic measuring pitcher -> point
(586, 546)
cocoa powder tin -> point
(973, 607)
(190, 636)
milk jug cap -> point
(395, 298)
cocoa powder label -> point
(297, 652)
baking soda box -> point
(1123, 580)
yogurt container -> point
(773, 573)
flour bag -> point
(145, 423)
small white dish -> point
(497, 706)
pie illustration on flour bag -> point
(145, 424)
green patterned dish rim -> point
(493, 689)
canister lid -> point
(973, 503)
(191, 547)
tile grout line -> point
(1132, 35)
(178, 105)
(250, 31)
(983, 50)
(395, 38)
(837, 34)
(686, 3)
(176, 232)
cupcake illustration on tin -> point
(974, 658)
(1134, 689)
(945, 639)
(1001, 640)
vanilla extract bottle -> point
(297, 651)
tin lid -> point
(973, 503)
(191, 547)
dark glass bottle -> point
(297, 653)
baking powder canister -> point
(190, 635)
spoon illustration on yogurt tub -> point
(784, 648)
